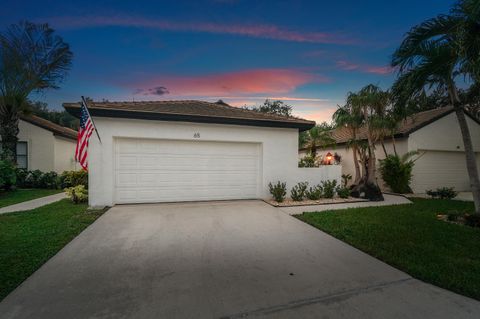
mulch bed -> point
(288, 202)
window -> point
(22, 154)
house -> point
(436, 135)
(166, 151)
(44, 145)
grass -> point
(23, 195)
(410, 238)
(29, 239)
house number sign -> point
(196, 135)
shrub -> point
(278, 191)
(77, 194)
(307, 161)
(314, 193)
(7, 175)
(472, 220)
(32, 179)
(21, 174)
(329, 188)
(298, 191)
(74, 178)
(443, 193)
(453, 215)
(397, 172)
(48, 180)
(343, 191)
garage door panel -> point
(168, 170)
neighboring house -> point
(163, 151)
(44, 145)
(436, 135)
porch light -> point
(328, 158)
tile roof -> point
(50, 126)
(191, 111)
(412, 123)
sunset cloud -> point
(247, 82)
(348, 66)
(250, 30)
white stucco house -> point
(436, 135)
(164, 151)
(44, 145)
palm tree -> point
(32, 58)
(433, 54)
(319, 136)
(348, 117)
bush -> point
(397, 172)
(298, 191)
(74, 178)
(343, 191)
(307, 161)
(77, 194)
(443, 193)
(278, 191)
(314, 193)
(48, 180)
(7, 175)
(21, 174)
(32, 179)
(472, 220)
(329, 188)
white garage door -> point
(438, 169)
(148, 170)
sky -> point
(309, 54)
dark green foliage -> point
(397, 172)
(7, 175)
(314, 193)
(48, 180)
(273, 107)
(472, 220)
(37, 179)
(74, 178)
(329, 188)
(343, 192)
(62, 118)
(443, 193)
(307, 161)
(278, 191)
(298, 191)
(412, 239)
(453, 215)
(21, 174)
(32, 179)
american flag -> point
(84, 132)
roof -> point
(50, 126)
(189, 111)
(342, 135)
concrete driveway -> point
(220, 260)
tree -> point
(273, 107)
(32, 58)
(319, 136)
(59, 117)
(433, 54)
(349, 117)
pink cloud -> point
(256, 81)
(249, 30)
(348, 66)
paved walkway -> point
(389, 200)
(236, 259)
(32, 204)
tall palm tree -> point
(32, 58)
(434, 53)
(348, 117)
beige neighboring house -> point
(436, 135)
(45, 146)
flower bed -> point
(323, 201)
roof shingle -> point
(50, 126)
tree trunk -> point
(384, 149)
(394, 145)
(8, 133)
(357, 166)
(467, 144)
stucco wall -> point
(279, 151)
(40, 146)
(65, 154)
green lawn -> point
(29, 239)
(23, 195)
(410, 238)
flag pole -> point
(86, 107)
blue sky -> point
(308, 53)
